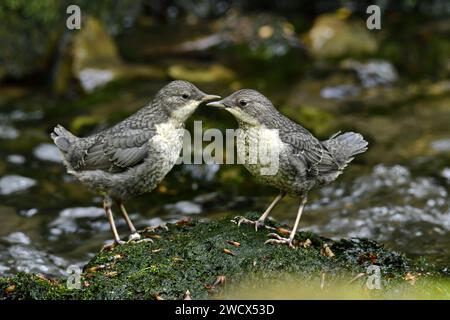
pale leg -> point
(134, 235)
(260, 222)
(288, 241)
(107, 206)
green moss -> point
(30, 286)
(321, 120)
(191, 255)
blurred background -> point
(316, 60)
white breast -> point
(259, 149)
(169, 140)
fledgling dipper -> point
(135, 155)
(303, 161)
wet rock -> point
(29, 213)
(184, 207)
(18, 253)
(441, 145)
(47, 152)
(153, 222)
(66, 222)
(30, 33)
(19, 115)
(193, 254)
(205, 172)
(16, 159)
(340, 92)
(260, 35)
(332, 36)
(446, 174)
(372, 72)
(91, 56)
(18, 238)
(13, 183)
(91, 78)
(7, 131)
(26, 258)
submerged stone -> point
(13, 183)
(47, 152)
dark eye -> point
(185, 96)
(242, 103)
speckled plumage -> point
(303, 161)
(135, 155)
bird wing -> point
(117, 152)
(305, 148)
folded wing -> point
(118, 152)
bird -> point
(303, 162)
(133, 156)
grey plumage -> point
(133, 156)
(304, 161)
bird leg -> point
(288, 241)
(107, 206)
(134, 235)
(260, 222)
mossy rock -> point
(334, 35)
(208, 258)
(31, 30)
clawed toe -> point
(279, 240)
(239, 220)
(145, 240)
(134, 236)
(112, 245)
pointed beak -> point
(210, 97)
(217, 104)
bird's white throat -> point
(243, 116)
(183, 113)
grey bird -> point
(135, 155)
(302, 161)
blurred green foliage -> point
(30, 30)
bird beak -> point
(217, 104)
(210, 97)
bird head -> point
(181, 98)
(247, 106)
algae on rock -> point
(206, 257)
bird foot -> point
(257, 223)
(136, 238)
(144, 240)
(279, 240)
(109, 247)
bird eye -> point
(185, 96)
(242, 103)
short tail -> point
(345, 146)
(62, 138)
